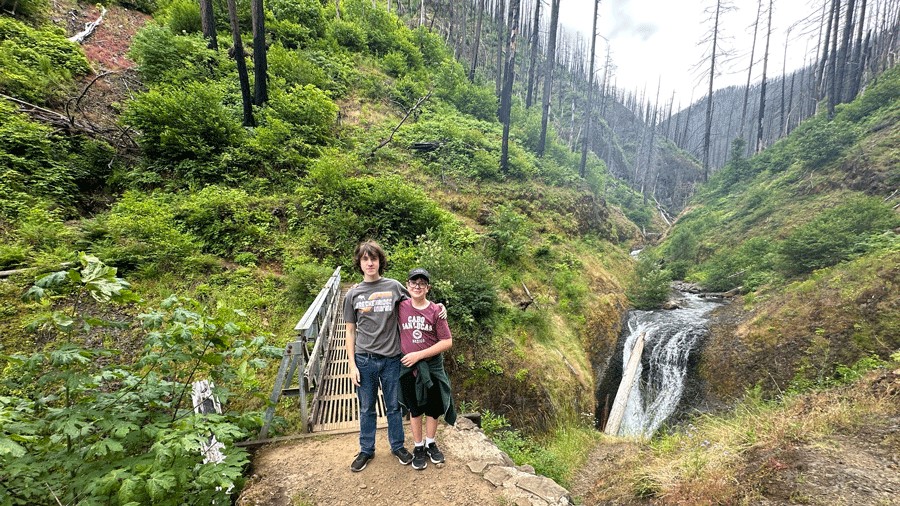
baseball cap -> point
(419, 272)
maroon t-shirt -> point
(420, 329)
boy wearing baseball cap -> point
(424, 385)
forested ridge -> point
(166, 216)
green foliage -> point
(163, 56)
(452, 85)
(338, 211)
(32, 10)
(383, 30)
(181, 16)
(432, 48)
(37, 65)
(751, 265)
(297, 23)
(145, 6)
(308, 114)
(881, 94)
(464, 282)
(184, 129)
(331, 72)
(305, 281)
(349, 35)
(31, 163)
(469, 148)
(38, 166)
(818, 140)
(835, 235)
(394, 64)
(226, 221)
(649, 287)
(103, 430)
(521, 448)
(510, 233)
(140, 231)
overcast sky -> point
(661, 39)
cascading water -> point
(669, 339)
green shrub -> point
(297, 23)
(819, 140)
(305, 281)
(164, 57)
(43, 230)
(649, 287)
(140, 232)
(37, 65)
(383, 30)
(463, 280)
(184, 129)
(836, 234)
(339, 211)
(349, 35)
(33, 163)
(469, 148)
(294, 68)
(680, 251)
(105, 429)
(510, 233)
(145, 6)
(883, 93)
(33, 10)
(226, 221)
(181, 16)
(295, 125)
(431, 47)
(12, 255)
(394, 64)
(750, 264)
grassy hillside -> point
(244, 225)
(808, 231)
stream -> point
(670, 338)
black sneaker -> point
(403, 455)
(360, 462)
(436, 456)
(420, 458)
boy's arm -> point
(445, 343)
(439, 347)
(350, 345)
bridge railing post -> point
(306, 355)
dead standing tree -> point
(548, 75)
(762, 91)
(508, 78)
(238, 52)
(260, 65)
(586, 138)
(722, 6)
(208, 24)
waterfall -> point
(670, 337)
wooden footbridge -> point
(316, 370)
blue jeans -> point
(372, 369)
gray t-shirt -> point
(372, 306)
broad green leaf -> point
(62, 321)
(34, 294)
(11, 449)
(52, 279)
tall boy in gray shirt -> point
(373, 347)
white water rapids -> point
(670, 337)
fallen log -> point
(88, 28)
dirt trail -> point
(316, 471)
